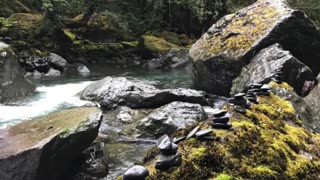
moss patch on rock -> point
(236, 33)
(268, 142)
(156, 45)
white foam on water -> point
(48, 99)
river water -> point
(54, 94)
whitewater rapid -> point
(47, 99)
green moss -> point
(283, 85)
(69, 34)
(267, 142)
(156, 45)
(131, 44)
(222, 177)
(24, 20)
(236, 33)
(263, 172)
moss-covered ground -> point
(268, 142)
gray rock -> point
(45, 148)
(111, 92)
(136, 173)
(193, 132)
(168, 119)
(13, 83)
(53, 72)
(82, 69)
(166, 162)
(219, 56)
(164, 143)
(57, 62)
(204, 132)
(264, 65)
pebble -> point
(239, 95)
(164, 143)
(223, 119)
(204, 132)
(193, 132)
(220, 113)
(136, 173)
(221, 126)
(240, 109)
(266, 87)
(166, 162)
(178, 139)
(208, 138)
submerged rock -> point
(45, 148)
(264, 66)
(13, 83)
(111, 92)
(220, 54)
(94, 163)
(168, 119)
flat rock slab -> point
(111, 92)
(44, 148)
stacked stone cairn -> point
(169, 154)
(278, 76)
(220, 119)
(136, 173)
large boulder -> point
(168, 119)
(13, 83)
(306, 111)
(220, 54)
(45, 148)
(264, 66)
(313, 100)
(111, 92)
(57, 62)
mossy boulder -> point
(13, 83)
(152, 46)
(267, 142)
(44, 148)
(230, 44)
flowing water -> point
(54, 94)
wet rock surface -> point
(168, 119)
(270, 62)
(45, 148)
(111, 92)
(13, 83)
(230, 44)
(136, 173)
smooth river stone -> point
(165, 162)
(164, 143)
(221, 126)
(136, 173)
(204, 132)
(179, 139)
(223, 119)
(193, 132)
(220, 113)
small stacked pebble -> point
(253, 92)
(136, 173)
(278, 76)
(221, 120)
(169, 154)
(205, 134)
